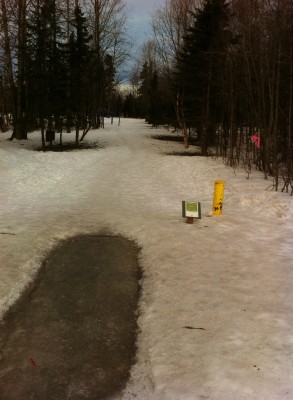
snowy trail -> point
(230, 275)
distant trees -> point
(58, 60)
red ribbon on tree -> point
(256, 140)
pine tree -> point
(46, 67)
(155, 113)
(78, 60)
(109, 75)
(150, 97)
(200, 67)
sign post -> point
(191, 210)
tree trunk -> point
(77, 132)
(20, 130)
(181, 120)
(8, 58)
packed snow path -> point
(229, 277)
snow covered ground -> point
(230, 275)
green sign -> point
(191, 209)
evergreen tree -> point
(155, 116)
(129, 106)
(46, 69)
(108, 86)
(144, 89)
(79, 58)
(200, 66)
(150, 96)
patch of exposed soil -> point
(73, 334)
(56, 147)
(184, 154)
(175, 138)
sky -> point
(216, 309)
(140, 12)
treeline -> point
(58, 62)
(223, 71)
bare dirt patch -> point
(73, 334)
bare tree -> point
(170, 24)
(108, 26)
(265, 29)
(8, 66)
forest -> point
(219, 71)
(58, 62)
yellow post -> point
(218, 197)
